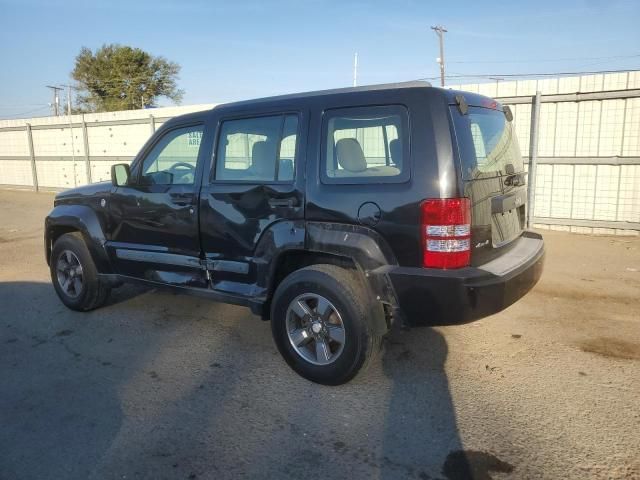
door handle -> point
(182, 199)
(282, 202)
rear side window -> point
(365, 145)
(259, 149)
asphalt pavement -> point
(157, 385)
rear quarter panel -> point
(433, 172)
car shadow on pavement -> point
(421, 431)
(59, 409)
(105, 394)
(168, 386)
(126, 292)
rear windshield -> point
(487, 142)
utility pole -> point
(56, 99)
(68, 87)
(73, 146)
(69, 100)
(440, 31)
(355, 69)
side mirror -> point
(120, 174)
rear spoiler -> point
(463, 106)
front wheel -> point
(321, 320)
(74, 275)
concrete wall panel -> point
(547, 132)
(58, 141)
(15, 172)
(14, 143)
(588, 129)
(606, 200)
(61, 173)
(631, 144)
(611, 123)
(601, 128)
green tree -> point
(118, 77)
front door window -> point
(172, 161)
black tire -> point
(352, 299)
(93, 293)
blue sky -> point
(240, 49)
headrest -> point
(262, 159)
(350, 155)
(395, 149)
(259, 152)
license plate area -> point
(507, 217)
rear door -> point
(494, 179)
(255, 183)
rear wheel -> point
(74, 275)
(322, 321)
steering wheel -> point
(182, 172)
(180, 167)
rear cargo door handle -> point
(282, 202)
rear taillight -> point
(446, 232)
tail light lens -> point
(446, 232)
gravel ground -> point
(157, 385)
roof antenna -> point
(355, 70)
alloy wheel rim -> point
(69, 273)
(315, 329)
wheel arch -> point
(84, 220)
(348, 246)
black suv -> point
(332, 213)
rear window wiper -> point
(512, 178)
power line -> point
(21, 105)
(27, 112)
(524, 75)
(610, 57)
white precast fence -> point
(64, 152)
(588, 148)
(588, 165)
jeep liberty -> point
(334, 214)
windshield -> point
(488, 144)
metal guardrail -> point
(533, 160)
(616, 161)
(580, 222)
(572, 97)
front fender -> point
(81, 218)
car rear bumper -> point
(431, 297)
